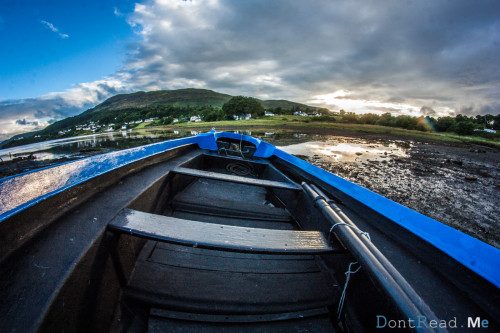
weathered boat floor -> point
(230, 290)
(162, 321)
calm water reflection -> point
(306, 144)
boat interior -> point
(220, 241)
(235, 260)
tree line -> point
(460, 124)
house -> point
(195, 118)
(269, 114)
(242, 116)
(300, 113)
(124, 127)
(176, 120)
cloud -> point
(54, 29)
(24, 122)
(18, 116)
(408, 57)
(428, 111)
(406, 53)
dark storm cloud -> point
(428, 111)
(24, 122)
(423, 52)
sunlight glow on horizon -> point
(339, 99)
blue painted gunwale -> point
(22, 191)
(471, 252)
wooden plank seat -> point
(236, 179)
(209, 235)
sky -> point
(416, 57)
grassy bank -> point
(298, 123)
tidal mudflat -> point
(456, 184)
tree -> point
(405, 121)
(386, 120)
(350, 118)
(369, 118)
(446, 124)
(210, 116)
(465, 128)
(240, 105)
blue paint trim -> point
(264, 149)
(478, 256)
(22, 191)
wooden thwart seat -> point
(210, 235)
(236, 179)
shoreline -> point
(297, 123)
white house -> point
(124, 127)
(269, 114)
(195, 118)
(300, 113)
(176, 120)
(242, 117)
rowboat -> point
(223, 232)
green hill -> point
(177, 98)
(126, 108)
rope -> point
(353, 227)
(347, 278)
